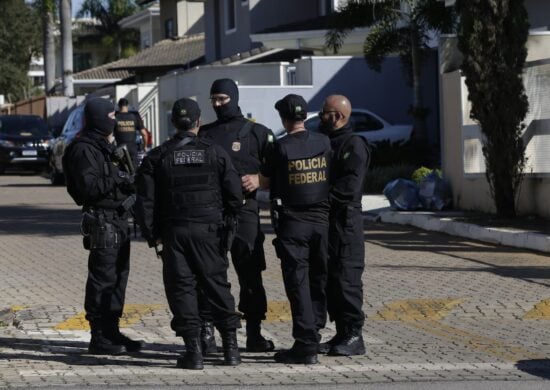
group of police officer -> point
(196, 198)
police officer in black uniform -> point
(248, 144)
(346, 242)
(106, 193)
(127, 125)
(185, 187)
(299, 173)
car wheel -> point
(2, 169)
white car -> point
(369, 126)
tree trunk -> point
(49, 46)
(418, 109)
(67, 47)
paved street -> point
(439, 309)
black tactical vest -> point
(303, 176)
(237, 145)
(190, 182)
(125, 131)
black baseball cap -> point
(186, 108)
(292, 107)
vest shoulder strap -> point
(180, 144)
(245, 130)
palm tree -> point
(48, 8)
(109, 13)
(401, 27)
(67, 46)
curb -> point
(499, 236)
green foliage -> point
(419, 174)
(397, 27)
(19, 40)
(492, 37)
(109, 13)
(377, 178)
(385, 153)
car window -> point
(312, 124)
(74, 123)
(23, 125)
(365, 122)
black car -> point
(24, 142)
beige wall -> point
(471, 192)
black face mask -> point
(96, 113)
(231, 108)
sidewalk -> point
(535, 236)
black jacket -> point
(92, 178)
(349, 165)
(259, 143)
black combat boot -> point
(208, 338)
(112, 332)
(351, 344)
(255, 342)
(231, 355)
(191, 359)
(325, 347)
(296, 356)
(101, 345)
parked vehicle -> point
(24, 142)
(370, 126)
(72, 127)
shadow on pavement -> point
(75, 353)
(540, 367)
(400, 238)
(30, 220)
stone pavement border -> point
(377, 209)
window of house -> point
(230, 16)
(169, 28)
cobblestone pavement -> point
(438, 307)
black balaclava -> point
(230, 109)
(96, 114)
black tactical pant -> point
(302, 248)
(192, 260)
(345, 267)
(247, 254)
(108, 270)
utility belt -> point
(101, 228)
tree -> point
(109, 13)
(66, 19)
(492, 37)
(47, 10)
(401, 27)
(19, 41)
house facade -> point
(463, 162)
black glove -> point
(124, 181)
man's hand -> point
(250, 183)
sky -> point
(76, 6)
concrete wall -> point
(261, 85)
(471, 191)
(221, 42)
(265, 14)
(188, 18)
(539, 14)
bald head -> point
(336, 111)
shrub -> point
(422, 172)
(377, 177)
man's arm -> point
(230, 182)
(351, 166)
(145, 201)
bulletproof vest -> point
(125, 131)
(189, 179)
(304, 171)
(237, 145)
